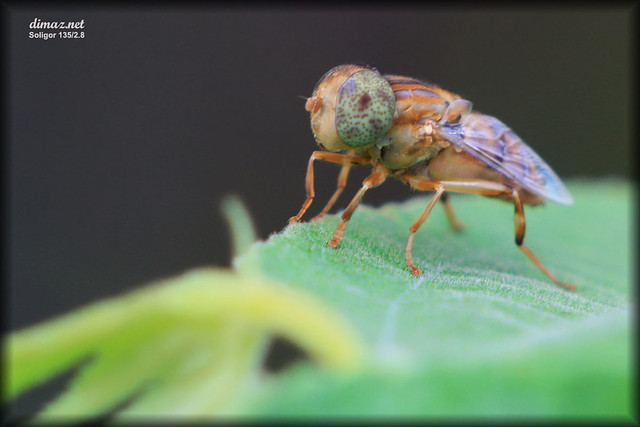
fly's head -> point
(352, 107)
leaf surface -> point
(482, 331)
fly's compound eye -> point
(364, 108)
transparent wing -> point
(488, 139)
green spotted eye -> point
(364, 108)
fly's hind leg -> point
(496, 189)
(346, 160)
(520, 228)
(478, 187)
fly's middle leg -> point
(422, 184)
(455, 223)
(377, 177)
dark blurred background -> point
(121, 144)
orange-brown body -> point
(429, 138)
(413, 148)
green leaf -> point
(482, 331)
(243, 233)
(187, 346)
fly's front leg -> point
(343, 159)
(377, 177)
(495, 189)
(342, 182)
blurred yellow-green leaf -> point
(187, 346)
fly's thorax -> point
(413, 107)
(411, 143)
(419, 108)
(351, 108)
(418, 100)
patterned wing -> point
(490, 140)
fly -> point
(429, 138)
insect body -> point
(429, 138)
